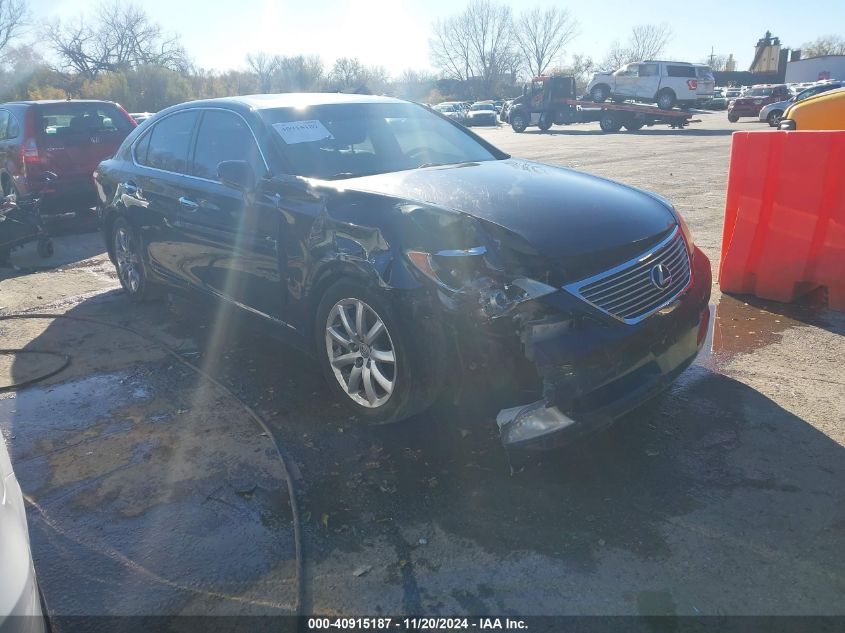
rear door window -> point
(77, 122)
(680, 71)
(169, 142)
(224, 136)
(4, 124)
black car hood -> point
(560, 213)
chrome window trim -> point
(193, 109)
(575, 287)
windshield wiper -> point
(343, 174)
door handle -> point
(130, 188)
(188, 204)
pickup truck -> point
(665, 83)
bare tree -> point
(13, 14)
(716, 62)
(476, 45)
(118, 37)
(347, 72)
(542, 35)
(647, 41)
(299, 73)
(264, 66)
(825, 45)
(449, 49)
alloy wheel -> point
(361, 352)
(128, 264)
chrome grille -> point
(628, 292)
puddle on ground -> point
(741, 325)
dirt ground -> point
(150, 492)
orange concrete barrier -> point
(784, 231)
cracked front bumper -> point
(598, 371)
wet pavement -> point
(152, 493)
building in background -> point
(766, 54)
(816, 68)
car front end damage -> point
(588, 361)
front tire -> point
(131, 271)
(519, 122)
(774, 118)
(599, 93)
(733, 118)
(368, 356)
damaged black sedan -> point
(405, 252)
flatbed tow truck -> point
(550, 100)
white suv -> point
(664, 83)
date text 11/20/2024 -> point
(417, 624)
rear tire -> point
(733, 118)
(633, 126)
(381, 378)
(666, 99)
(129, 262)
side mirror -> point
(237, 174)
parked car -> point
(719, 101)
(452, 109)
(407, 254)
(823, 111)
(773, 112)
(482, 113)
(20, 599)
(661, 82)
(750, 104)
(49, 149)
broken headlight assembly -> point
(468, 274)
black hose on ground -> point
(280, 452)
(31, 381)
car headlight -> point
(686, 231)
(467, 272)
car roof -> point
(51, 101)
(292, 100)
(666, 61)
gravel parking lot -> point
(152, 493)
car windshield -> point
(759, 92)
(483, 106)
(445, 107)
(349, 140)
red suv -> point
(49, 150)
(752, 101)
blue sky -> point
(394, 33)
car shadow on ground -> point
(712, 474)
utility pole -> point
(712, 56)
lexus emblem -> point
(661, 276)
